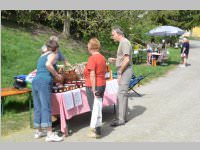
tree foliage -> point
(84, 24)
(185, 19)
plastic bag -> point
(30, 77)
(183, 55)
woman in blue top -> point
(59, 56)
(41, 90)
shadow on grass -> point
(16, 106)
(170, 62)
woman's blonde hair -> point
(53, 37)
(94, 44)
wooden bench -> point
(5, 92)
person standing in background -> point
(149, 51)
(163, 45)
(59, 56)
(184, 52)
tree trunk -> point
(66, 27)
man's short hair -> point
(118, 30)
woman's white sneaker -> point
(39, 134)
(53, 138)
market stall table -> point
(74, 102)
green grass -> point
(13, 122)
(20, 51)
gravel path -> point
(168, 111)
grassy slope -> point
(20, 51)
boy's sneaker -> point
(39, 134)
(92, 134)
(98, 130)
(53, 137)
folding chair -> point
(134, 81)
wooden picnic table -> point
(13, 91)
(5, 92)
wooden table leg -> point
(2, 105)
(114, 109)
(68, 128)
(30, 111)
